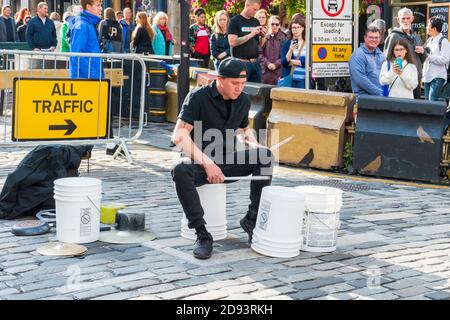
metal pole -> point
(308, 42)
(183, 68)
(356, 25)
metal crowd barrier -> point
(43, 104)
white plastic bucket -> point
(77, 201)
(277, 231)
(213, 198)
(322, 218)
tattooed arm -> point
(236, 41)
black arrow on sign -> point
(70, 127)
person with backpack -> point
(399, 71)
(435, 68)
(110, 33)
(405, 19)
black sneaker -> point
(111, 151)
(248, 226)
(203, 246)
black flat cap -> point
(232, 68)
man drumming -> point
(212, 118)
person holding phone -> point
(244, 31)
(293, 54)
(399, 71)
(263, 18)
(405, 19)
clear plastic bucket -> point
(321, 219)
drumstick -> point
(278, 145)
(260, 177)
(247, 178)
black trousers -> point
(205, 58)
(188, 175)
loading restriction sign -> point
(60, 109)
(332, 9)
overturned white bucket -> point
(322, 218)
(77, 201)
(213, 198)
(277, 232)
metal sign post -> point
(308, 39)
(183, 69)
(356, 25)
(332, 36)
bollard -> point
(316, 120)
(399, 138)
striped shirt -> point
(299, 71)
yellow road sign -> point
(60, 109)
(331, 52)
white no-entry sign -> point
(332, 9)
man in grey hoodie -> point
(405, 18)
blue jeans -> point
(253, 71)
(432, 90)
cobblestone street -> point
(393, 242)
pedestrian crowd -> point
(271, 55)
(117, 32)
(395, 65)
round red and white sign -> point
(332, 8)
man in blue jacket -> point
(41, 31)
(365, 65)
(127, 29)
(84, 38)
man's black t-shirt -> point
(241, 26)
(207, 105)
